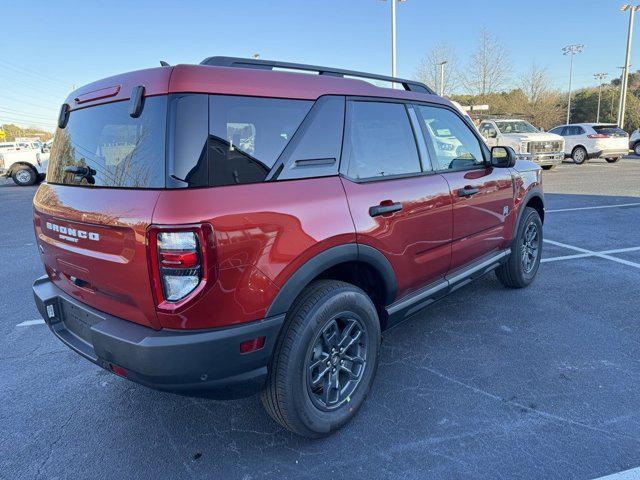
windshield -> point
(103, 146)
(517, 126)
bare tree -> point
(428, 70)
(535, 83)
(489, 68)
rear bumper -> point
(543, 159)
(187, 362)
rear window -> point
(103, 146)
(610, 130)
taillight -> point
(598, 135)
(181, 261)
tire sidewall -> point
(346, 299)
(531, 215)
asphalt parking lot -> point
(488, 383)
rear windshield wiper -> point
(81, 172)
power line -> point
(34, 73)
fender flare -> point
(350, 252)
(534, 192)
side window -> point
(248, 134)
(455, 146)
(380, 141)
(557, 130)
(579, 131)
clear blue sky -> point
(49, 46)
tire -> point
(289, 397)
(24, 176)
(579, 155)
(548, 167)
(636, 149)
(612, 160)
(515, 273)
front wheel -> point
(579, 155)
(636, 149)
(612, 160)
(526, 250)
(325, 359)
(24, 176)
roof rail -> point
(410, 85)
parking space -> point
(488, 383)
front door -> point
(482, 195)
(398, 204)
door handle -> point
(467, 191)
(385, 208)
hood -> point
(534, 137)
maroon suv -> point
(230, 226)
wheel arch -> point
(534, 198)
(362, 265)
(16, 166)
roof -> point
(232, 81)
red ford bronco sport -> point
(232, 226)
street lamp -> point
(600, 77)
(625, 77)
(571, 50)
(393, 35)
(441, 65)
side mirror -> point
(503, 157)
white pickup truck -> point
(25, 166)
(546, 149)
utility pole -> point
(600, 77)
(441, 65)
(625, 78)
(572, 50)
(393, 36)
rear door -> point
(482, 195)
(91, 216)
(398, 205)
(574, 136)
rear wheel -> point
(579, 155)
(325, 359)
(612, 160)
(24, 176)
(636, 149)
(526, 250)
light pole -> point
(600, 77)
(393, 35)
(571, 50)
(441, 65)
(625, 77)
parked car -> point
(25, 165)
(546, 149)
(634, 142)
(593, 140)
(226, 229)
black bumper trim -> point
(203, 362)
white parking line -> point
(30, 322)
(590, 253)
(592, 208)
(632, 474)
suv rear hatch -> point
(91, 217)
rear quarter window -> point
(248, 134)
